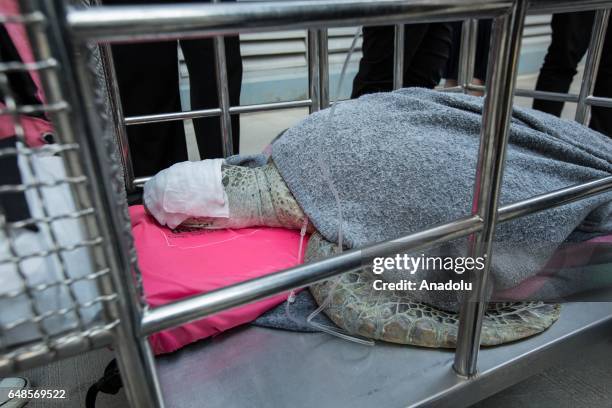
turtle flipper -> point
(257, 197)
(392, 316)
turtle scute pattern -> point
(393, 317)
(257, 197)
(260, 197)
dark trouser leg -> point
(200, 59)
(425, 66)
(570, 39)
(482, 50)
(376, 65)
(601, 118)
(425, 54)
(147, 74)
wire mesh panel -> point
(56, 296)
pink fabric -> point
(176, 265)
(33, 127)
(567, 257)
(20, 40)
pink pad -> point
(177, 265)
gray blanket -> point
(405, 160)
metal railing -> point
(69, 34)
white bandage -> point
(186, 190)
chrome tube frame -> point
(205, 113)
(398, 56)
(171, 21)
(223, 94)
(324, 68)
(592, 64)
(314, 82)
(467, 53)
(73, 28)
(501, 76)
(565, 6)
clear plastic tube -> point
(291, 297)
(328, 179)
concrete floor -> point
(582, 380)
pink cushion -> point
(176, 265)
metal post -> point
(497, 111)
(591, 67)
(313, 71)
(398, 57)
(198, 19)
(76, 86)
(223, 92)
(324, 68)
(467, 53)
(118, 116)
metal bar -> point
(554, 199)
(14, 66)
(548, 96)
(171, 21)
(497, 111)
(223, 94)
(599, 101)
(271, 106)
(314, 84)
(32, 18)
(29, 109)
(140, 181)
(324, 68)
(398, 57)
(200, 306)
(451, 89)
(202, 113)
(530, 93)
(114, 97)
(566, 6)
(467, 53)
(169, 117)
(589, 77)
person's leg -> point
(200, 59)
(375, 72)
(147, 74)
(601, 118)
(376, 66)
(425, 67)
(570, 38)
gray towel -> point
(405, 160)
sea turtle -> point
(259, 197)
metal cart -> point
(254, 366)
